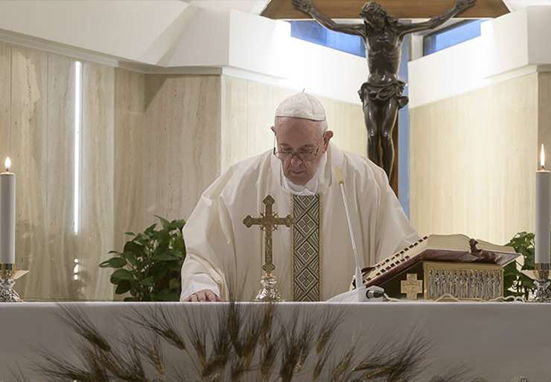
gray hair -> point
(322, 124)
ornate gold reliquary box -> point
(443, 267)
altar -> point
(490, 341)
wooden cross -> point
(268, 222)
(411, 286)
(411, 9)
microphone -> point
(340, 180)
(374, 292)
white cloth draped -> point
(496, 341)
(223, 254)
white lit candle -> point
(7, 215)
(543, 211)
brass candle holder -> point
(8, 275)
(540, 275)
(268, 292)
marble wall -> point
(37, 131)
(147, 145)
(97, 202)
(167, 140)
(544, 113)
(128, 165)
(182, 142)
(473, 159)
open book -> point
(443, 248)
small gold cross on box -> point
(411, 287)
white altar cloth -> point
(496, 341)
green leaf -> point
(174, 284)
(165, 223)
(159, 273)
(131, 258)
(150, 230)
(163, 237)
(134, 247)
(121, 274)
(114, 262)
(148, 281)
(177, 224)
(150, 263)
(515, 282)
(175, 265)
(142, 239)
(123, 287)
(162, 246)
(166, 256)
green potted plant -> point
(149, 266)
(515, 282)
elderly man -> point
(314, 259)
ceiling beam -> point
(401, 9)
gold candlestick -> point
(268, 223)
(8, 275)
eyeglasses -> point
(304, 156)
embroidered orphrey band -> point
(306, 248)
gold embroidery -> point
(306, 248)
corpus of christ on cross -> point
(268, 222)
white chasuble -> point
(227, 257)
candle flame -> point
(542, 157)
(8, 164)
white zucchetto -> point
(301, 105)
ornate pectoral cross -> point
(268, 222)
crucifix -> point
(268, 222)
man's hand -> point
(205, 295)
(464, 4)
(303, 5)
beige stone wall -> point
(473, 159)
(129, 161)
(38, 133)
(544, 113)
(182, 142)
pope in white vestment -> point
(224, 256)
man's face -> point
(375, 19)
(301, 136)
